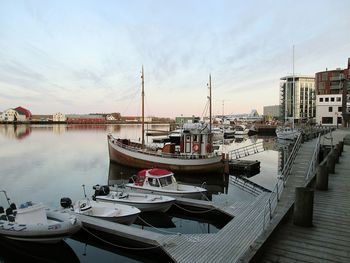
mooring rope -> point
(160, 230)
(119, 246)
(196, 212)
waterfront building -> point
(59, 117)
(85, 118)
(297, 98)
(16, 114)
(332, 89)
(110, 118)
(182, 119)
(271, 112)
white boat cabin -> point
(196, 139)
(155, 178)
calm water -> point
(44, 163)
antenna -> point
(84, 190)
(7, 199)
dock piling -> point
(331, 162)
(303, 206)
(322, 177)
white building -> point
(272, 111)
(329, 109)
(110, 118)
(12, 115)
(59, 117)
(298, 102)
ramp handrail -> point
(271, 203)
(246, 150)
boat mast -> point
(210, 103)
(143, 108)
(294, 101)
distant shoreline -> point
(85, 122)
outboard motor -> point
(66, 202)
(101, 190)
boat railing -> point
(162, 154)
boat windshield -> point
(164, 181)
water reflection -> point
(21, 131)
(15, 131)
(17, 251)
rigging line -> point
(133, 97)
(115, 245)
(205, 110)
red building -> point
(24, 111)
(331, 81)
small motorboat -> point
(144, 202)
(163, 182)
(35, 223)
(287, 133)
(122, 214)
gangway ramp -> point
(246, 150)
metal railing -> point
(314, 160)
(246, 150)
(281, 181)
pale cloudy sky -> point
(86, 56)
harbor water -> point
(43, 163)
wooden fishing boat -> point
(195, 153)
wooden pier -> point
(328, 240)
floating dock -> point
(244, 167)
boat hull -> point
(144, 203)
(113, 212)
(142, 160)
(192, 195)
(61, 226)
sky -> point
(85, 56)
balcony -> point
(333, 87)
(337, 78)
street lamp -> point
(336, 118)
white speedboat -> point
(287, 133)
(144, 202)
(123, 214)
(241, 130)
(163, 182)
(35, 223)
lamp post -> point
(336, 118)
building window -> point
(330, 109)
(327, 120)
(332, 99)
(338, 98)
(326, 99)
(321, 99)
(340, 109)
